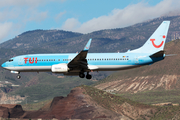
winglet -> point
(80, 59)
(86, 48)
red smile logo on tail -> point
(157, 46)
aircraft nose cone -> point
(3, 65)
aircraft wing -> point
(80, 62)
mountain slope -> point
(86, 102)
(113, 40)
(158, 76)
(46, 86)
(36, 38)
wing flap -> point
(92, 67)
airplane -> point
(84, 62)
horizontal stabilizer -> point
(158, 54)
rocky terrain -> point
(84, 103)
(11, 111)
(10, 99)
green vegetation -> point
(107, 100)
(154, 96)
(35, 106)
(48, 86)
(167, 113)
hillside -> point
(47, 86)
(89, 103)
(112, 40)
(86, 102)
(37, 38)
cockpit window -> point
(10, 60)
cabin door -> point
(21, 61)
(136, 60)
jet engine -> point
(59, 68)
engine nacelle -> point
(59, 68)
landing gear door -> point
(21, 61)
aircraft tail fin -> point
(156, 42)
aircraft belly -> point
(30, 68)
(115, 67)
